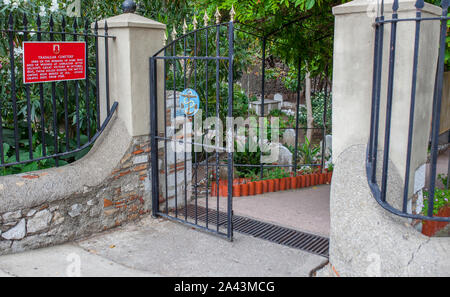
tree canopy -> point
(296, 29)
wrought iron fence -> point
(49, 123)
(380, 190)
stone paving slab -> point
(171, 249)
(156, 247)
(306, 209)
(61, 261)
(4, 274)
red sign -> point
(53, 61)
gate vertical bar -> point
(390, 86)
(87, 101)
(174, 141)
(166, 185)
(412, 106)
(437, 102)
(374, 82)
(13, 85)
(263, 84)
(324, 119)
(217, 122)
(195, 147)
(108, 103)
(27, 92)
(230, 137)
(41, 95)
(65, 91)
(77, 100)
(54, 112)
(184, 134)
(153, 135)
(207, 114)
(97, 78)
(297, 115)
(377, 83)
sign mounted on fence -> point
(189, 102)
(53, 61)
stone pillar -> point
(136, 40)
(365, 239)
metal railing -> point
(49, 120)
(379, 191)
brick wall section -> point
(124, 196)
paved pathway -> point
(306, 209)
(161, 248)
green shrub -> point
(441, 197)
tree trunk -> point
(309, 114)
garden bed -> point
(441, 207)
(247, 187)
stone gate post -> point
(136, 40)
(365, 239)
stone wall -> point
(67, 203)
(75, 207)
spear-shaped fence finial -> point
(174, 33)
(25, 20)
(194, 22)
(10, 21)
(395, 6)
(232, 13)
(185, 26)
(205, 19)
(51, 23)
(217, 15)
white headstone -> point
(285, 156)
(328, 145)
(289, 137)
(278, 97)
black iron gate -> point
(197, 84)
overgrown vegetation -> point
(441, 197)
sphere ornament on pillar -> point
(129, 6)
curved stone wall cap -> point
(130, 20)
(50, 185)
(362, 6)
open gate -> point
(196, 73)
